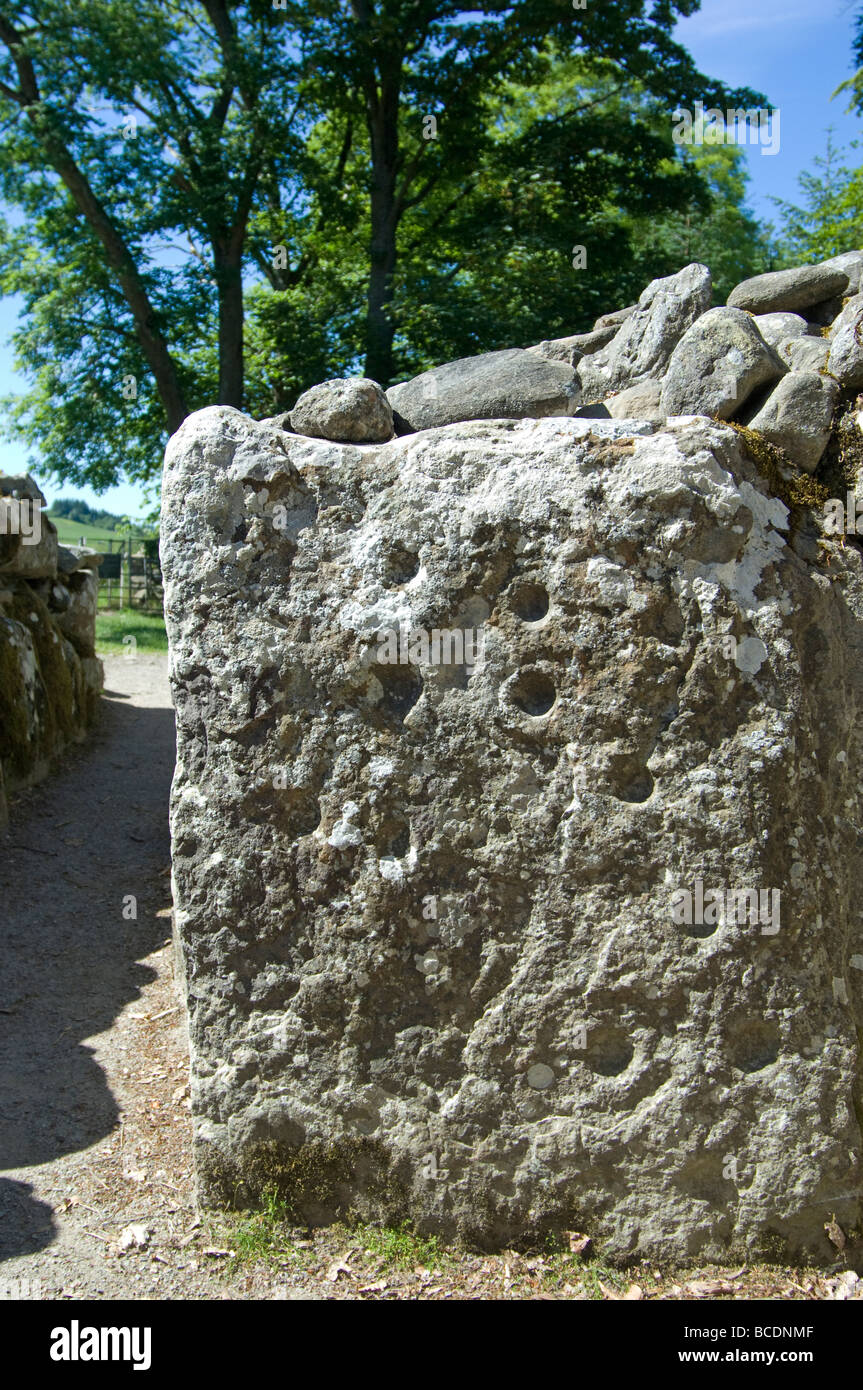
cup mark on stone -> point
(400, 565)
(532, 691)
(401, 686)
(753, 1044)
(530, 602)
(609, 1051)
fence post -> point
(129, 572)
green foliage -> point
(263, 1234)
(830, 219)
(230, 203)
(76, 509)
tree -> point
(122, 126)
(830, 220)
(408, 68)
(228, 202)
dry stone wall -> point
(516, 821)
(50, 676)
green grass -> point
(262, 1235)
(400, 1248)
(70, 532)
(147, 629)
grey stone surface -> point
(68, 560)
(641, 402)
(48, 692)
(851, 262)
(512, 384)
(846, 345)
(86, 557)
(353, 410)
(789, 290)
(643, 344)
(780, 328)
(78, 620)
(717, 365)
(805, 354)
(32, 553)
(797, 416)
(572, 349)
(426, 909)
(615, 318)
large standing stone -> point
(797, 417)
(782, 291)
(512, 384)
(432, 900)
(643, 344)
(717, 365)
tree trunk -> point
(229, 282)
(152, 341)
(380, 329)
(382, 109)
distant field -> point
(70, 532)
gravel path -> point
(94, 1123)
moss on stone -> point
(58, 712)
(796, 490)
(14, 727)
(62, 703)
(841, 469)
(313, 1180)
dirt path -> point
(94, 1124)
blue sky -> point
(793, 51)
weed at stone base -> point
(400, 1247)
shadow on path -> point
(78, 849)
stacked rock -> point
(776, 358)
(50, 676)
